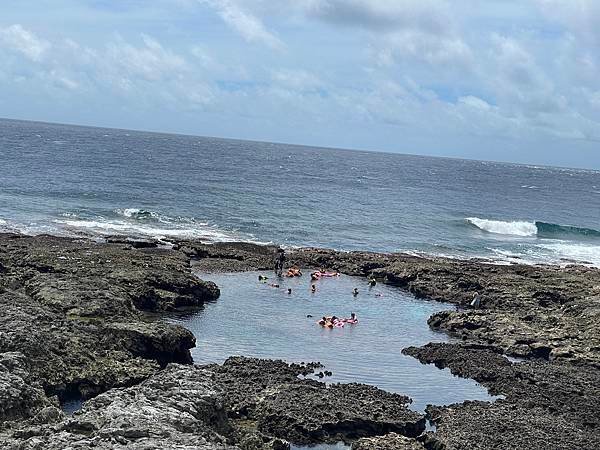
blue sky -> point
(499, 80)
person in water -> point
(262, 278)
(293, 272)
(372, 281)
(279, 261)
(322, 321)
(314, 276)
(313, 288)
(355, 292)
(289, 291)
(352, 319)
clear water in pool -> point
(254, 319)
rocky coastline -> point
(81, 320)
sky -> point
(504, 80)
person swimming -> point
(352, 320)
(262, 278)
(289, 291)
(355, 292)
(293, 272)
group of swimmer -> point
(333, 321)
(294, 271)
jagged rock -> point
(503, 425)
(391, 441)
(75, 307)
(562, 389)
(221, 407)
(307, 411)
(20, 396)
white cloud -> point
(18, 39)
(297, 79)
(426, 47)
(475, 102)
(250, 27)
(150, 61)
(519, 70)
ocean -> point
(82, 181)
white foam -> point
(516, 228)
(126, 228)
(145, 215)
(128, 212)
(574, 251)
(122, 227)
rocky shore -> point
(81, 319)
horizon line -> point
(387, 152)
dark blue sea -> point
(71, 180)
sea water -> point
(91, 181)
(252, 318)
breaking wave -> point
(142, 223)
(537, 228)
(516, 228)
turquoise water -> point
(254, 319)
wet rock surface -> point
(75, 310)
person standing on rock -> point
(279, 261)
(476, 302)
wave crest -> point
(537, 228)
(515, 228)
(136, 213)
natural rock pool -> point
(254, 319)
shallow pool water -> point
(254, 319)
